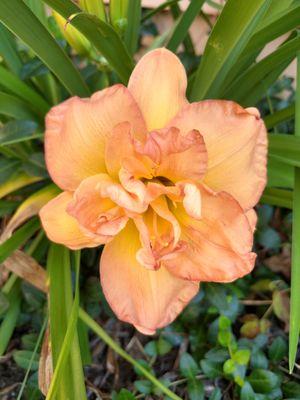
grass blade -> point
(228, 39)
(12, 83)
(112, 344)
(13, 107)
(295, 276)
(69, 383)
(29, 29)
(67, 344)
(133, 25)
(18, 238)
(8, 50)
(105, 39)
(10, 320)
(253, 83)
(283, 115)
(278, 197)
(183, 24)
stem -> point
(112, 344)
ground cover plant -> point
(59, 338)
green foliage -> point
(221, 342)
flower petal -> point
(175, 156)
(147, 299)
(236, 143)
(158, 83)
(93, 212)
(218, 246)
(61, 228)
(77, 131)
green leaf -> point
(278, 349)
(12, 106)
(124, 394)
(22, 359)
(285, 148)
(183, 24)
(163, 346)
(133, 25)
(216, 394)
(280, 23)
(29, 29)
(280, 175)
(278, 197)
(7, 168)
(156, 10)
(291, 390)
(105, 39)
(279, 116)
(253, 83)
(8, 50)
(247, 392)
(228, 39)
(151, 348)
(295, 276)
(188, 366)
(263, 381)
(18, 131)
(211, 369)
(143, 386)
(18, 238)
(12, 83)
(242, 356)
(195, 389)
(10, 320)
(68, 379)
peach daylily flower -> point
(169, 187)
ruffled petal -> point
(93, 212)
(236, 142)
(158, 83)
(147, 299)
(62, 228)
(159, 234)
(218, 246)
(174, 156)
(77, 131)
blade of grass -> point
(278, 197)
(295, 273)
(34, 352)
(16, 182)
(229, 37)
(29, 29)
(18, 238)
(187, 41)
(67, 342)
(102, 35)
(133, 25)
(9, 322)
(14, 107)
(280, 175)
(113, 345)
(283, 115)
(8, 50)
(183, 24)
(285, 148)
(71, 383)
(156, 10)
(252, 84)
(11, 82)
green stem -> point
(112, 344)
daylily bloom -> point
(169, 187)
